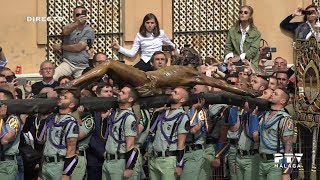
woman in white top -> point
(149, 39)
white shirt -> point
(311, 31)
(49, 83)
(243, 37)
(148, 45)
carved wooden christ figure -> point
(149, 83)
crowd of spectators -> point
(243, 65)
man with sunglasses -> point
(78, 37)
(11, 78)
(8, 74)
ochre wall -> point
(24, 42)
(267, 17)
(19, 38)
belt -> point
(212, 141)
(233, 141)
(193, 147)
(50, 159)
(165, 153)
(266, 157)
(7, 157)
(82, 153)
(248, 152)
(115, 156)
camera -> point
(89, 43)
(271, 49)
(239, 69)
(306, 12)
(167, 48)
(269, 52)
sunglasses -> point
(313, 11)
(10, 78)
(230, 82)
(245, 12)
(78, 14)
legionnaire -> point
(30, 149)
(194, 158)
(276, 134)
(216, 139)
(61, 131)
(121, 154)
(215, 125)
(233, 138)
(86, 126)
(238, 116)
(247, 153)
(247, 158)
(235, 113)
(140, 143)
(169, 131)
(10, 129)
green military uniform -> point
(163, 161)
(280, 122)
(248, 157)
(8, 163)
(194, 157)
(58, 131)
(86, 127)
(141, 139)
(212, 138)
(122, 123)
(232, 154)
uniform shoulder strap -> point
(279, 134)
(177, 122)
(124, 117)
(18, 131)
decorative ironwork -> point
(204, 24)
(316, 2)
(308, 82)
(104, 18)
(307, 101)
